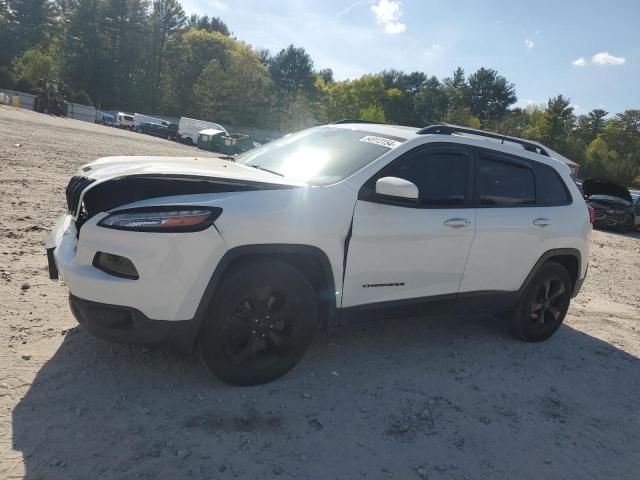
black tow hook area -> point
(53, 268)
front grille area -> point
(74, 190)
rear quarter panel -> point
(575, 229)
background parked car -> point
(635, 197)
(124, 120)
(162, 130)
(614, 205)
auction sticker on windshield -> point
(383, 142)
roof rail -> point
(446, 129)
(347, 120)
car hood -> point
(111, 182)
(596, 186)
(109, 168)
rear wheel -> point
(261, 322)
(543, 305)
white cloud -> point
(529, 43)
(388, 13)
(581, 62)
(395, 27)
(604, 58)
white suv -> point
(346, 220)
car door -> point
(516, 220)
(406, 249)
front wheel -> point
(261, 321)
(543, 305)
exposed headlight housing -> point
(115, 265)
(162, 219)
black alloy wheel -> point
(543, 305)
(261, 325)
(262, 320)
(546, 304)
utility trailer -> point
(188, 129)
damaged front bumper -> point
(174, 268)
(64, 226)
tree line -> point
(149, 56)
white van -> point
(124, 120)
(188, 129)
(139, 118)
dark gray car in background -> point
(615, 206)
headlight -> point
(162, 219)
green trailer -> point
(223, 142)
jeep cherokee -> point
(352, 219)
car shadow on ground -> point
(439, 397)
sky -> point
(586, 50)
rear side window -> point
(551, 190)
(502, 182)
(440, 175)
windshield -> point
(321, 155)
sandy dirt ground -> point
(438, 397)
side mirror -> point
(397, 187)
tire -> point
(628, 224)
(261, 322)
(543, 305)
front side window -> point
(440, 175)
(501, 182)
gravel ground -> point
(438, 397)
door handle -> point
(457, 222)
(542, 222)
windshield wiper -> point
(266, 170)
